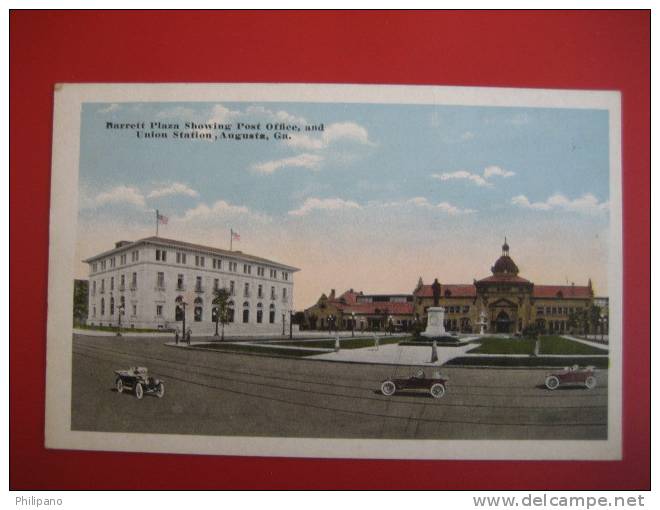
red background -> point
(581, 50)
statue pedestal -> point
(435, 326)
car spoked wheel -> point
(438, 390)
(139, 392)
(552, 382)
(388, 388)
(119, 385)
(160, 390)
(590, 383)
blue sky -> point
(384, 195)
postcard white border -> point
(63, 230)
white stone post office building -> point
(154, 281)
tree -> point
(594, 318)
(221, 300)
(80, 298)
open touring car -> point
(138, 380)
(574, 376)
(435, 385)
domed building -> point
(504, 301)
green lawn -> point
(559, 345)
(260, 350)
(348, 343)
(494, 345)
(548, 345)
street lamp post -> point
(283, 320)
(120, 311)
(352, 324)
(290, 324)
(183, 307)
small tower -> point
(505, 248)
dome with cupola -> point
(505, 264)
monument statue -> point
(436, 292)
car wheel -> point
(590, 382)
(388, 388)
(139, 392)
(119, 385)
(438, 390)
(552, 382)
(160, 390)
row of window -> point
(198, 312)
(122, 283)
(200, 261)
(457, 309)
(557, 310)
(122, 307)
(181, 258)
(181, 285)
(112, 261)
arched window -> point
(199, 304)
(178, 309)
(112, 306)
(230, 311)
(246, 312)
(271, 315)
(102, 306)
(260, 313)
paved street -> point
(220, 393)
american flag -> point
(235, 236)
(162, 219)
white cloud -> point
(219, 210)
(462, 174)
(479, 180)
(279, 116)
(108, 109)
(222, 115)
(489, 171)
(333, 133)
(177, 112)
(336, 204)
(305, 160)
(445, 207)
(120, 195)
(586, 204)
(175, 188)
(324, 204)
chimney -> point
(332, 294)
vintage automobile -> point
(138, 380)
(435, 385)
(574, 376)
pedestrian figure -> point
(188, 335)
(337, 347)
(176, 336)
(376, 339)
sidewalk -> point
(597, 345)
(393, 354)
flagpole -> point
(231, 238)
(156, 222)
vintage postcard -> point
(335, 271)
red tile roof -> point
(568, 291)
(378, 308)
(457, 290)
(505, 278)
